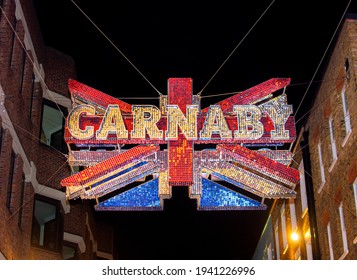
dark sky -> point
(166, 39)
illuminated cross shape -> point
(168, 147)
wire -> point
(138, 98)
(327, 192)
(241, 41)
(220, 94)
(51, 95)
(34, 136)
(39, 191)
(327, 135)
(291, 85)
(32, 62)
(111, 42)
(38, 73)
(323, 56)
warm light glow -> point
(295, 236)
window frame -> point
(343, 231)
(22, 70)
(354, 186)
(12, 47)
(303, 194)
(333, 144)
(277, 240)
(329, 240)
(346, 115)
(22, 195)
(59, 223)
(308, 245)
(284, 228)
(322, 168)
(49, 103)
(10, 180)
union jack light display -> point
(149, 149)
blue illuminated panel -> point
(217, 197)
(141, 198)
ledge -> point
(345, 253)
(346, 138)
(73, 238)
(321, 186)
(332, 165)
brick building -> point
(36, 221)
(321, 223)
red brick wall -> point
(24, 108)
(337, 188)
(339, 178)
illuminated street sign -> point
(168, 149)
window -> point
(283, 226)
(333, 145)
(47, 229)
(343, 231)
(303, 189)
(10, 180)
(322, 170)
(32, 91)
(307, 236)
(52, 126)
(269, 252)
(276, 234)
(14, 23)
(22, 190)
(22, 70)
(346, 115)
(293, 215)
(329, 238)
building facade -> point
(321, 223)
(36, 220)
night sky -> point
(166, 39)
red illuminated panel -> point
(250, 95)
(109, 165)
(180, 152)
(250, 158)
(95, 97)
(180, 92)
(180, 163)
